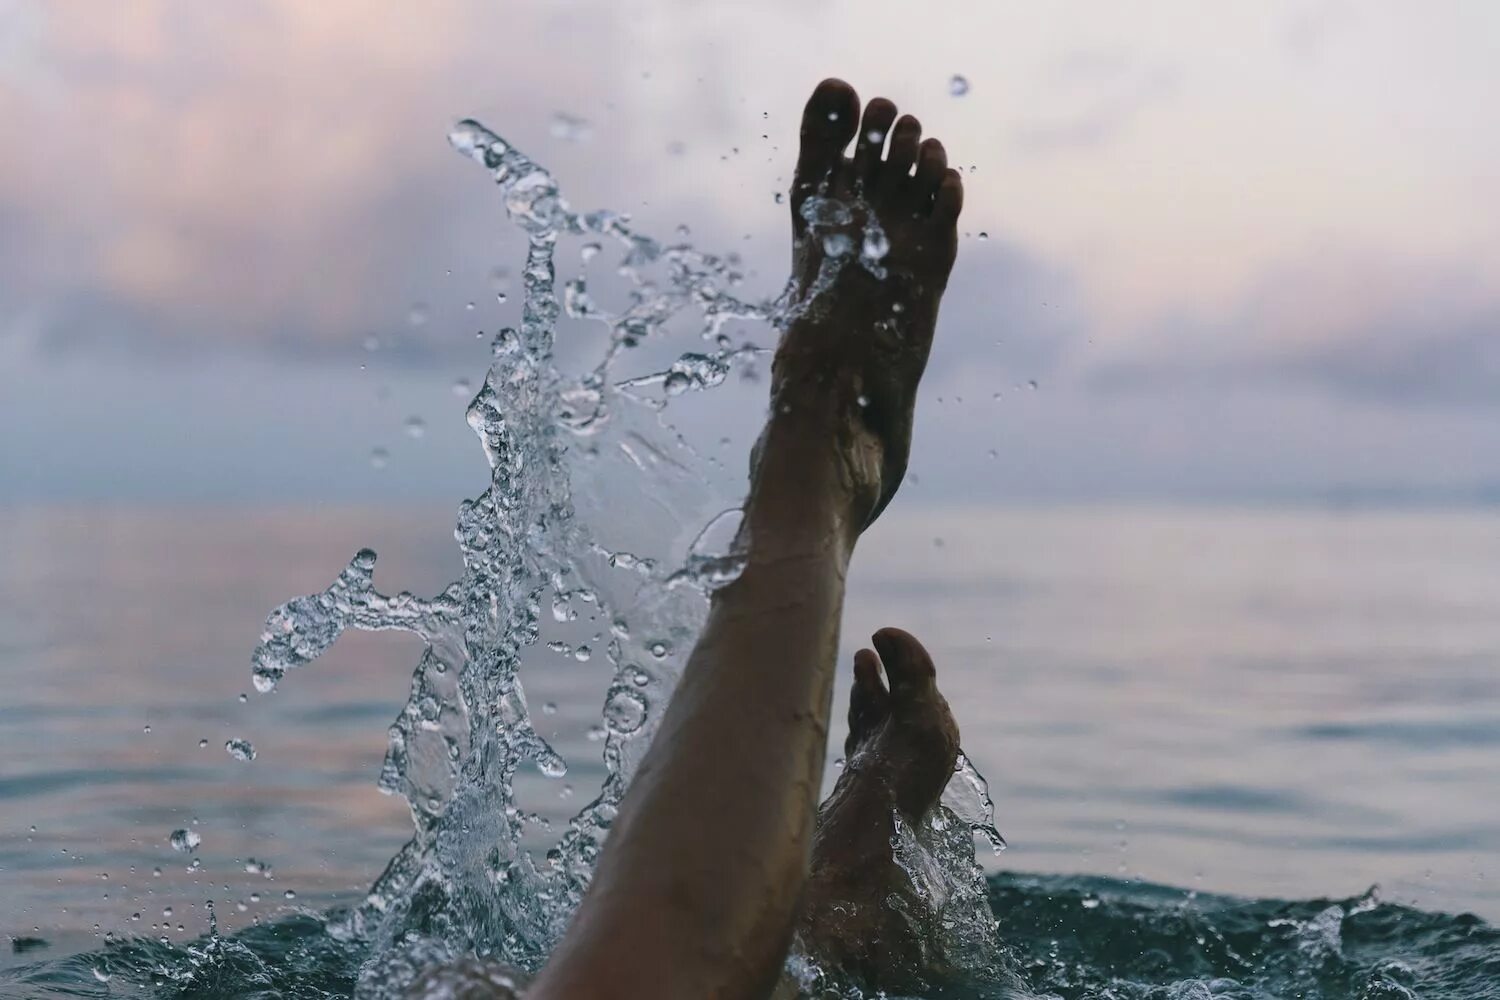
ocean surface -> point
(1269, 711)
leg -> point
(697, 888)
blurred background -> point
(1203, 521)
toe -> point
(906, 663)
(950, 197)
(828, 123)
(932, 164)
(879, 114)
(869, 701)
(904, 141)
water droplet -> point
(146, 729)
(875, 246)
(289, 894)
(582, 654)
(417, 316)
(958, 85)
(624, 711)
(838, 245)
(240, 749)
(101, 975)
(462, 387)
(202, 744)
(379, 458)
(659, 649)
(570, 128)
(983, 235)
(778, 197)
(416, 427)
(549, 708)
(184, 840)
(823, 213)
(551, 764)
(244, 697)
(875, 137)
(1031, 385)
(589, 251)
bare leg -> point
(697, 889)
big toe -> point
(906, 663)
(828, 123)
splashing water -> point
(464, 883)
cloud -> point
(1008, 316)
(1363, 327)
(1105, 90)
(245, 173)
(1308, 31)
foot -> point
(901, 750)
(874, 238)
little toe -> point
(873, 131)
(828, 123)
(950, 197)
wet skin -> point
(714, 854)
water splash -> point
(465, 884)
(185, 841)
(967, 796)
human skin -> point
(697, 890)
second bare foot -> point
(901, 750)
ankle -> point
(815, 480)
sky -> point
(1246, 251)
